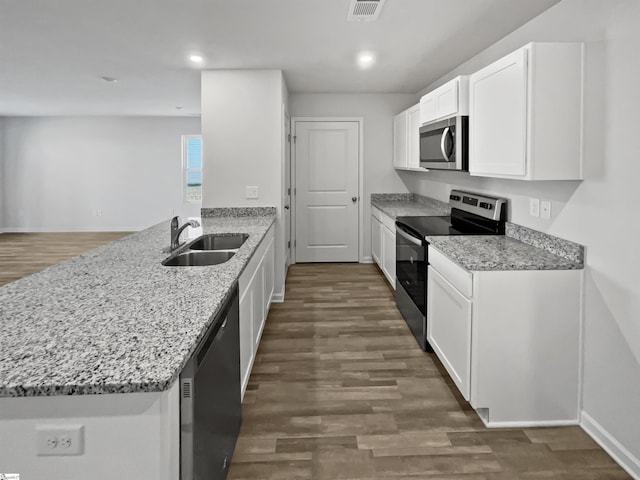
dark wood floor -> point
(22, 254)
(340, 390)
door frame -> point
(360, 121)
(287, 141)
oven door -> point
(411, 270)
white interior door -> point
(326, 191)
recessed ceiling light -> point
(196, 58)
(109, 79)
(366, 59)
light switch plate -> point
(545, 209)
(253, 192)
(534, 207)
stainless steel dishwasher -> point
(210, 405)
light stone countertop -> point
(114, 320)
(520, 249)
(498, 252)
(409, 205)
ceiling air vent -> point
(364, 10)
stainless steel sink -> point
(199, 258)
(219, 242)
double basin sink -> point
(211, 249)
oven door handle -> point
(409, 238)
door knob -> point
(354, 199)
(286, 207)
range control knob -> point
(455, 197)
(486, 206)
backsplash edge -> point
(552, 244)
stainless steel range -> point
(471, 214)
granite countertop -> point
(499, 252)
(408, 205)
(114, 320)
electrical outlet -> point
(534, 207)
(51, 442)
(545, 209)
(59, 439)
(64, 441)
(253, 192)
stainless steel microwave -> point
(444, 144)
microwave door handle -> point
(443, 143)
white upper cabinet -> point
(400, 140)
(406, 139)
(448, 100)
(413, 137)
(525, 114)
(428, 111)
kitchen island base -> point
(126, 435)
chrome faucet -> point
(176, 231)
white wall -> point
(59, 170)
(377, 111)
(242, 135)
(599, 212)
(2, 188)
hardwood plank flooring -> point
(22, 254)
(341, 390)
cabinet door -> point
(246, 337)
(389, 255)
(497, 117)
(413, 137)
(449, 328)
(446, 98)
(268, 279)
(400, 140)
(376, 240)
(428, 111)
(257, 288)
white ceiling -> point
(53, 52)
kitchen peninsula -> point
(99, 340)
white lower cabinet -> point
(450, 333)
(389, 254)
(383, 244)
(376, 239)
(508, 339)
(256, 286)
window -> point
(192, 167)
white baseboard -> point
(610, 445)
(530, 424)
(367, 260)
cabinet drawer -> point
(451, 271)
(377, 214)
